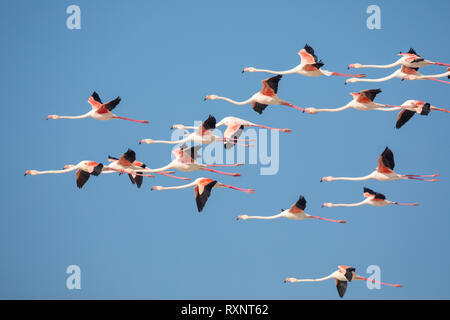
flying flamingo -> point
(260, 100)
(185, 161)
(202, 189)
(405, 73)
(295, 212)
(385, 171)
(234, 129)
(202, 135)
(342, 276)
(372, 198)
(84, 169)
(100, 111)
(309, 66)
(361, 101)
(127, 163)
(408, 59)
(410, 107)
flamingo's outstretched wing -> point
(369, 193)
(207, 125)
(82, 177)
(368, 95)
(95, 101)
(403, 117)
(202, 192)
(386, 161)
(110, 105)
(233, 132)
(341, 287)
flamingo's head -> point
(30, 172)
(311, 110)
(52, 116)
(326, 179)
(242, 217)
(148, 141)
(289, 280)
(211, 97)
(248, 69)
(327, 204)
(351, 80)
(354, 65)
(159, 188)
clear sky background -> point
(162, 58)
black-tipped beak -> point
(25, 175)
(321, 180)
(322, 206)
(242, 71)
(140, 142)
(204, 99)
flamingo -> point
(100, 111)
(309, 66)
(203, 135)
(295, 212)
(361, 101)
(260, 100)
(385, 171)
(410, 107)
(234, 129)
(185, 161)
(372, 198)
(84, 168)
(127, 163)
(342, 276)
(408, 59)
(405, 73)
(202, 189)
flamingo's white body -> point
(342, 276)
(384, 171)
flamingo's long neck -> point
(280, 215)
(180, 187)
(349, 204)
(188, 138)
(239, 103)
(167, 167)
(293, 70)
(393, 75)
(347, 106)
(381, 66)
(83, 116)
(369, 176)
(331, 276)
(57, 171)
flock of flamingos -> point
(185, 157)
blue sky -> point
(162, 58)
